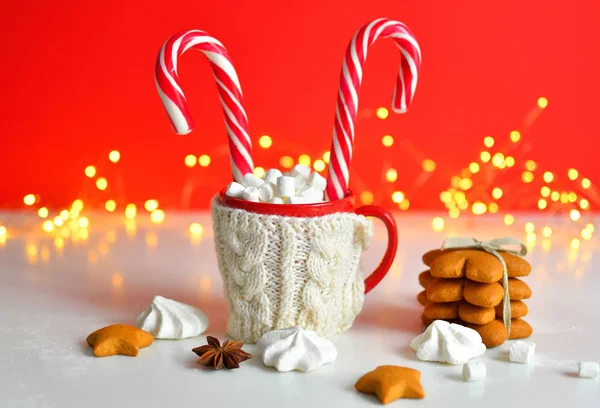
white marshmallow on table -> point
(286, 186)
(271, 176)
(317, 181)
(522, 352)
(300, 170)
(589, 369)
(276, 200)
(250, 194)
(266, 192)
(250, 180)
(474, 372)
(234, 190)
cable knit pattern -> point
(280, 272)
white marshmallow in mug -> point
(250, 180)
(234, 190)
(266, 192)
(250, 194)
(300, 170)
(299, 181)
(286, 186)
(310, 192)
(317, 181)
(276, 200)
(299, 200)
(271, 176)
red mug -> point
(288, 265)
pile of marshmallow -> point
(299, 186)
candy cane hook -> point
(228, 85)
(350, 80)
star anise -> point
(229, 355)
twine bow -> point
(507, 244)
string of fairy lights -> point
(479, 188)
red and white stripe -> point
(228, 84)
(350, 80)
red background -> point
(77, 81)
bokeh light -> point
(190, 160)
(259, 171)
(391, 175)
(382, 113)
(110, 205)
(438, 224)
(114, 156)
(157, 216)
(286, 162)
(29, 199)
(398, 197)
(101, 183)
(204, 160)
(304, 159)
(43, 212)
(319, 165)
(515, 136)
(265, 141)
(130, 211)
(90, 171)
(151, 205)
(542, 102)
(196, 229)
(488, 141)
(387, 140)
(366, 197)
(428, 165)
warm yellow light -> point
(542, 102)
(529, 227)
(509, 219)
(572, 197)
(545, 191)
(366, 197)
(319, 165)
(114, 156)
(493, 208)
(527, 177)
(326, 156)
(398, 196)
(548, 177)
(455, 181)
(497, 193)
(204, 160)
(382, 113)
(546, 245)
(474, 167)
(64, 214)
(465, 184)
(584, 204)
(586, 234)
(542, 204)
(117, 280)
(509, 161)
(265, 141)
(463, 205)
(196, 228)
(564, 198)
(43, 212)
(58, 221)
(530, 165)
(488, 141)
(387, 140)
(498, 159)
(391, 175)
(190, 160)
(515, 136)
(157, 216)
(575, 215)
(151, 205)
(29, 199)
(404, 205)
(428, 165)
(546, 231)
(304, 159)
(479, 208)
(438, 224)
(110, 205)
(454, 212)
(590, 227)
(555, 196)
(530, 238)
(130, 211)
(77, 205)
(59, 243)
(286, 162)
(83, 222)
(485, 156)
(90, 171)
(573, 174)
(259, 171)
(575, 243)
(101, 183)
(48, 226)
(445, 196)
(586, 183)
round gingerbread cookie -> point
(429, 256)
(476, 265)
(425, 279)
(442, 290)
(492, 334)
(483, 294)
(518, 308)
(442, 311)
(518, 290)
(422, 297)
(475, 314)
(520, 329)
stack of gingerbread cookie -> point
(465, 286)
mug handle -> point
(388, 258)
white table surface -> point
(52, 298)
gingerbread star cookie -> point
(390, 383)
(119, 339)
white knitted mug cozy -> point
(289, 271)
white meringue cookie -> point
(448, 343)
(168, 319)
(294, 348)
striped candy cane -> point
(350, 80)
(228, 84)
